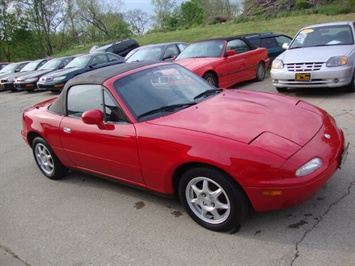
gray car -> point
(319, 56)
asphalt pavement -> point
(84, 220)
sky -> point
(144, 5)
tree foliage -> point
(16, 39)
(163, 10)
(138, 21)
(191, 13)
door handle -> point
(67, 130)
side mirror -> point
(231, 52)
(95, 117)
(285, 46)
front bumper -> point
(25, 86)
(7, 86)
(50, 87)
(292, 190)
(326, 77)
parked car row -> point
(55, 81)
(53, 74)
(319, 56)
(7, 82)
(222, 62)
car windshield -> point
(79, 62)
(52, 64)
(146, 54)
(203, 49)
(30, 66)
(162, 90)
(323, 36)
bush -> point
(301, 4)
(332, 10)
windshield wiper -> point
(166, 108)
(207, 93)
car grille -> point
(304, 67)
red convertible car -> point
(224, 62)
(155, 126)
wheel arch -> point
(212, 72)
(187, 166)
(31, 136)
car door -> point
(111, 152)
(235, 66)
(274, 45)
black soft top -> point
(98, 77)
(242, 37)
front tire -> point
(213, 199)
(46, 160)
(281, 89)
(211, 79)
(351, 86)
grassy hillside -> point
(286, 25)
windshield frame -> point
(151, 53)
(203, 49)
(158, 87)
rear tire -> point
(46, 160)
(260, 72)
(213, 199)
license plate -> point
(303, 76)
(344, 155)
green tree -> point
(43, 17)
(163, 9)
(16, 39)
(120, 29)
(191, 13)
(138, 21)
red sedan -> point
(161, 127)
(224, 62)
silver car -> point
(319, 56)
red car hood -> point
(261, 119)
(194, 63)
